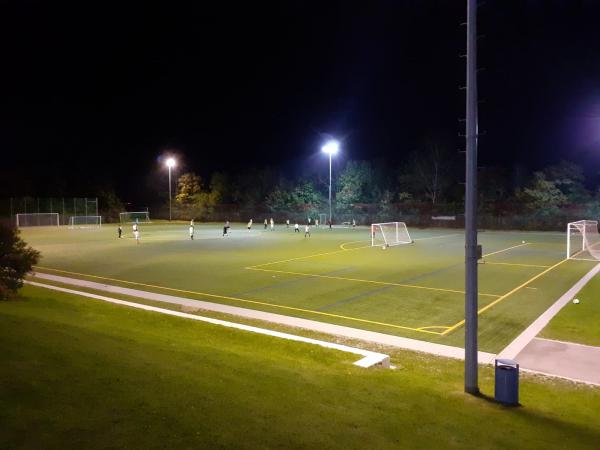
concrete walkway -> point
(573, 361)
(322, 327)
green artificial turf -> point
(79, 373)
(411, 290)
(578, 322)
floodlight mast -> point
(331, 148)
(170, 164)
(471, 363)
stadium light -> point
(331, 148)
(170, 164)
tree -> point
(189, 186)
(569, 178)
(357, 183)
(542, 194)
(16, 260)
(428, 173)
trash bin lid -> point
(507, 362)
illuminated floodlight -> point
(331, 147)
(170, 162)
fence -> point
(64, 206)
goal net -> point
(85, 222)
(322, 219)
(38, 220)
(390, 233)
(134, 217)
(583, 240)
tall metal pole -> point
(169, 193)
(330, 221)
(471, 382)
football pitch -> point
(413, 290)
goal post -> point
(85, 222)
(322, 219)
(37, 220)
(134, 217)
(389, 233)
(583, 240)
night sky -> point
(94, 92)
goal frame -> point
(146, 213)
(96, 224)
(578, 226)
(322, 219)
(397, 241)
(20, 216)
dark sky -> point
(98, 91)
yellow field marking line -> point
(342, 246)
(255, 302)
(360, 280)
(434, 328)
(508, 294)
(506, 249)
(516, 264)
(306, 257)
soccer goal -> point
(134, 217)
(390, 233)
(85, 222)
(583, 240)
(38, 220)
(322, 219)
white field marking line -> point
(415, 345)
(515, 347)
(505, 249)
(437, 237)
(516, 264)
(369, 358)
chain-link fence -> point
(65, 207)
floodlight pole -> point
(169, 192)
(471, 363)
(330, 156)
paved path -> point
(347, 332)
(574, 361)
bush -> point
(16, 260)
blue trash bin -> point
(507, 382)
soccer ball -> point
(383, 247)
(522, 242)
(576, 301)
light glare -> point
(171, 162)
(331, 147)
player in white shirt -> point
(272, 224)
(192, 230)
(250, 225)
(296, 228)
(287, 223)
(317, 223)
(136, 235)
(307, 230)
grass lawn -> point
(79, 373)
(578, 323)
(335, 276)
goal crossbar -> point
(85, 222)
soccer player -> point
(250, 225)
(136, 235)
(192, 230)
(192, 223)
(353, 223)
(309, 220)
(265, 224)
(307, 230)
(272, 224)
(226, 228)
(134, 227)
(296, 228)
(120, 230)
(317, 223)
(287, 223)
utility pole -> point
(471, 364)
